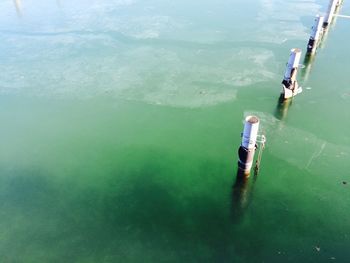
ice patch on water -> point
(105, 48)
(345, 95)
(281, 20)
(87, 65)
(141, 27)
(289, 143)
(147, 34)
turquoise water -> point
(121, 122)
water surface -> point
(121, 121)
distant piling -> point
(333, 4)
(248, 145)
(290, 85)
(338, 5)
(316, 32)
(18, 6)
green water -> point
(121, 122)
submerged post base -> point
(290, 91)
(245, 161)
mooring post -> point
(248, 145)
(330, 12)
(338, 4)
(290, 85)
(316, 32)
(18, 6)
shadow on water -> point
(242, 192)
(138, 212)
(308, 62)
(149, 210)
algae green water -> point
(121, 120)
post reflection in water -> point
(282, 107)
(241, 194)
(327, 29)
(308, 61)
(18, 6)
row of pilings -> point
(290, 88)
(251, 139)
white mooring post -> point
(330, 12)
(18, 6)
(339, 4)
(290, 85)
(247, 149)
(316, 32)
